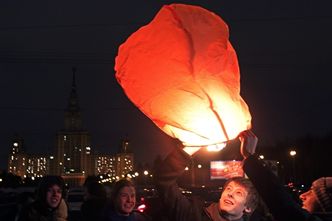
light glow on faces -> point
(233, 201)
(126, 200)
(309, 201)
(53, 196)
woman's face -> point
(309, 201)
(53, 196)
(126, 200)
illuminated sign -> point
(225, 169)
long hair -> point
(47, 182)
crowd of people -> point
(240, 198)
(50, 202)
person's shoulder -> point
(139, 216)
(327, 216)
(31, 207)
(28, 212)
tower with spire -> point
(17, 159)
(73, 155)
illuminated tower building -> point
(124, 160)
(17, 160)
(73, 157)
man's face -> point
(126, 200)
(309, 201)
(233, 200)
(53, 196)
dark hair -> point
(118, 186)
(47, 182)
(253, 197)
(90, 179)
(96, 189)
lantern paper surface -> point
(182, 72)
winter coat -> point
(134, 216)
(177, 206)
(109, 214)
(280, 203)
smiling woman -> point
(49, 203)
(122, 203)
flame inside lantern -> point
(182, 72)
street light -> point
(146, 173)
(292, 154)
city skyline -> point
(283, 50)
(73, 157)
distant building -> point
(124, 160)
(22, 164)
(105, 164)
(73, 158)
(36, 166)
(17, 159)
(73, 153)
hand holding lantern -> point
(248, 143)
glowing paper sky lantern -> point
(182, 72)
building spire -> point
(73, 85)
(73, 104)
(73, 115)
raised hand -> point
(248, 143)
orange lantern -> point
(182, 72)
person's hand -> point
(248, 143)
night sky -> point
(284, 50)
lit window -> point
(15, 144)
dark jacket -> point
(109, 214)
(280, 203)
(134, 216)
(177, 206)
(91, 209)
(37, 211)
